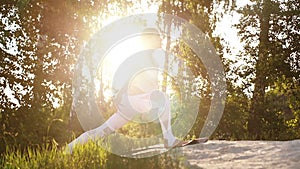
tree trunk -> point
(257, 105)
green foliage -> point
(269, 31)
(204, 15)
(233, 125)
(83, 157)
(39, 44)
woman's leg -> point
(126, 112)
(165, 123)
(115, 122)
(160, 103)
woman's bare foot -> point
(176, 143)
(181, 143)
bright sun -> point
(119, 53)
(114, 58)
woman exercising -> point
(138, 96)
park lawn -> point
(83, 157)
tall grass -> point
(83, 157)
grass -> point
(89, 156)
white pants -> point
(127, 110)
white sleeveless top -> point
(139, 72)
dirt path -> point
(244, 154)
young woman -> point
(139, 95)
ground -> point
(243, 154)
